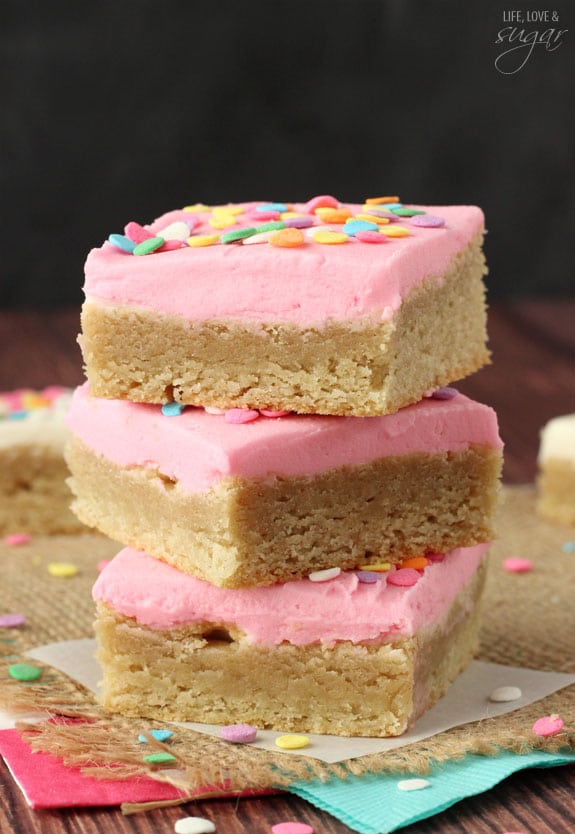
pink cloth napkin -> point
(47, 783)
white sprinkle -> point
(413, 784)
(194, 825)
(211, 409)
(176, 231)
(313, 230)
(260, 237)
(324, 575)
(505, 693)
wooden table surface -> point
(532, 379)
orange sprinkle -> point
(288, 238)
(415, 562)
(31, 400)
(333, 215)
(379, 201)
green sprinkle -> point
(24, 672)
(159, 758)
(238, 234)
(407, 212)
(146, 247)
(272, 226)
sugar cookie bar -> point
(241, 504)
(556, 482)
(361, 312)
(34, 497)
(343, 657)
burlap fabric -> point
(528, 620)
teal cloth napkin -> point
(373, 804)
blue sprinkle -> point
(172, 409)
(352, 227)
(159, 735)
(122, 242)
(272, 207)
(569, 547)
(18, 415)
(391, 206)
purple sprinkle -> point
(368, 577)
(379, 213)
(444, 393)
(239, 733)
(428, 221)
(12, 620)
(299, 222)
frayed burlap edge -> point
(106, 746)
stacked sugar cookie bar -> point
(305, 508)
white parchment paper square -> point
(467, 700)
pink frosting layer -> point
(303, 612)
(198, 449)
(261, 282)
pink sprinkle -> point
(435, 557)
(403, 577)
(103, 564)
(370, 237)
(241, 415)
(263, 216)
(169, 245)
(516, 565)
(17, 539)
(239, 733)
(265, 412)
(292, 828)
(136, 233)
(12, 620)
(323, 201)
(549, 725)
(52, 392)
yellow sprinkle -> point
(63, 570)
(333, 215)
(379, 201)
(395, 231)
(330, 237)
(229, 209)
(292, 741)
(222, 221)
(203, 240)
(197, 207)
(286, 215)
(378, 566)
(373, 218)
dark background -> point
(112, 111)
